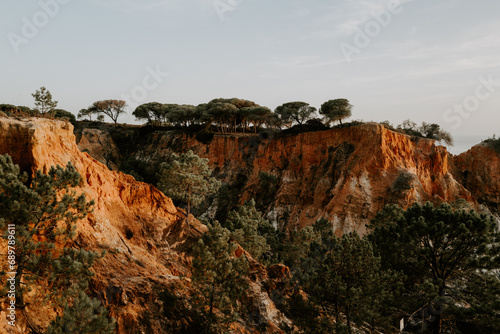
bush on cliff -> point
(83, 316)
(494, 143)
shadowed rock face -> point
(478, 170)
(148, 246)
(345, 175)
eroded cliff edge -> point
(148, 250)
(345, 175)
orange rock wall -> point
(479, 170)
(345, 175)
(148, 249)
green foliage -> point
(228, 197)
(83, 113)
(441, 252)
(494, 143)
(154, 113)
(257, 116)
(426, 130)
(44, 213)
(141, 170)
(336, 110)
(251, 230)
(111, 108)
(9, 109)
(298, 112)
(343, 276)
(403, 182)
(187, 178)
(26, 110)
(63, 114)
(43, 101)
(159, 114)
(183, 115)
(84, 316)
(267, 188)
(307, 316)
(218, 279)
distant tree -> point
(183, 115)
(258, 116)
(441, 252)
(299, 112)
(231, 115)
(224, 114)
(273, 121)
(86, 113)
(336, 110)
(63, 114)
(84, 316)
(44, 212)
(43, 101)
(218, 278)
(426, 130)
(187, 178)
(493, 143)
(248, 228)
(153, 112)
(433, 131)
(111, 108)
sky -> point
(425, 60)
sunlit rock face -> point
(344, 175)
(148, 246)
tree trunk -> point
(19, 273)
(210, 313)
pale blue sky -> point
(427, 55)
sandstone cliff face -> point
(478, 170)
(345, 175)
(148, 249)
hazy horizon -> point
(394, 60)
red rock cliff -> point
(479, 171)
(345, 175)
(136, 223)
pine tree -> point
(248, 228)
(344, 277)
(84, 316)
(42, 213)
(43, 101)
(187, 178)
(445, 255)
(218, 279)
(111, 108)
(336, 110)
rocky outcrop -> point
(100, 145)
(147, 245)
(478, 170)
(344, 175)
